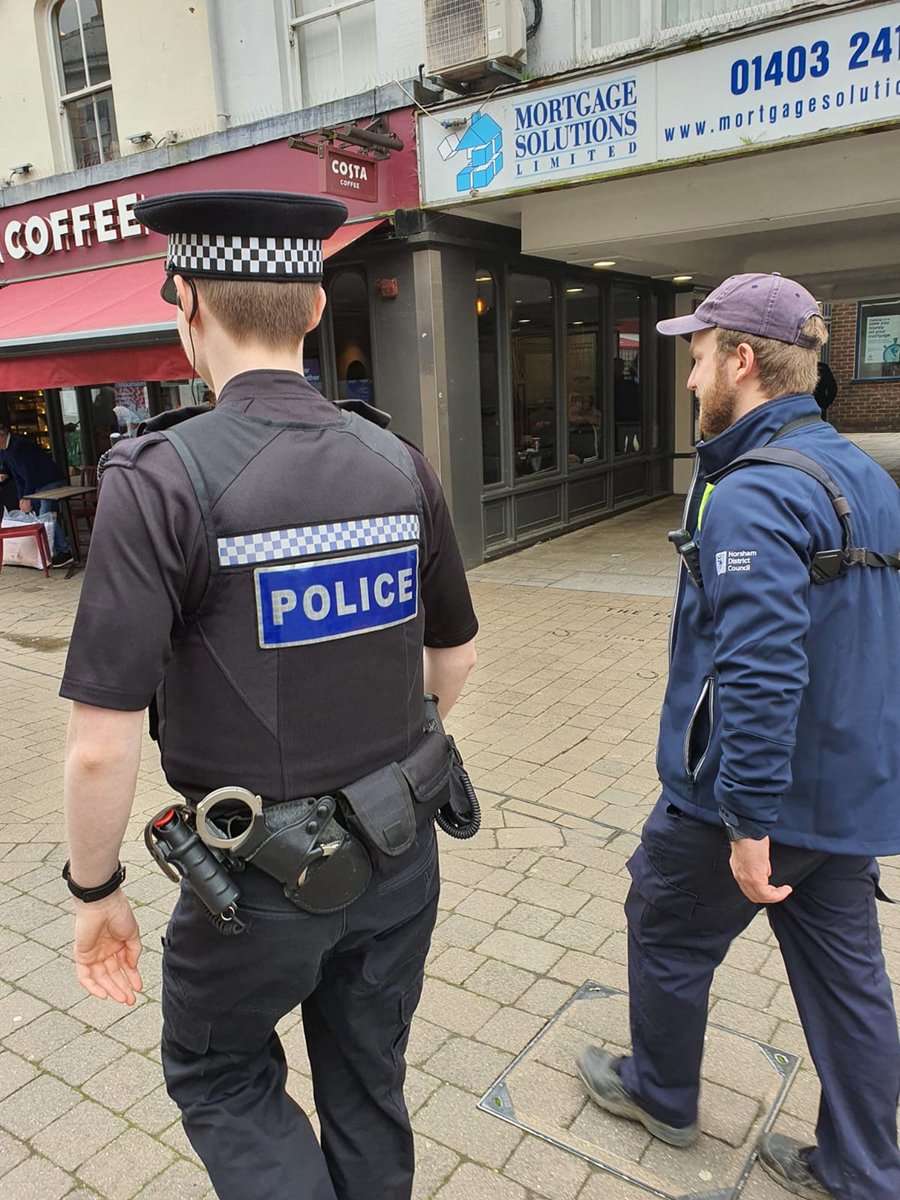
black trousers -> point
(684, 910)
(357, 976)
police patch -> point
(332, 598)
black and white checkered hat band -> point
(250, 257)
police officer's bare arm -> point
(446, 671)
(103, 753)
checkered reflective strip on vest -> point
(252, 256)
(277, 544)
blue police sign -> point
(333, 598)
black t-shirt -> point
(149, 562)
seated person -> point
(584, 428)
(33, 470)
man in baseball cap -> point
(779, 750)
(775, 313)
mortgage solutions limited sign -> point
(793, 82)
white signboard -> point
(527, 139)
(796, 81)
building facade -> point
(529, 211)
(690, 141)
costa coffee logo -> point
(107, 220)
(345, 174)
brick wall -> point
(872, 407)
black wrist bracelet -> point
(88, 895)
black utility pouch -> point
(427, 771)
(380, 811)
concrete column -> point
(432, 360)
(425, 347)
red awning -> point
(348, 234)
(101, 326)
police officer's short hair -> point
(277, 315)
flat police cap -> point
(273, 237)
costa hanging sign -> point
(350, 175)
(110, 219)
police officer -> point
(269, 572)
(779, 749)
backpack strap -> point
(827, 565)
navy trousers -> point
(684, 909)
(357, 976)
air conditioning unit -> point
(463, 37)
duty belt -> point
(320, 848)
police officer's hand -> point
(751, 868)
(107, 948)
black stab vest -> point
(301, 669)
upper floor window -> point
(641, 22)
(84, 82)
(335, 43)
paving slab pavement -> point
(558, 727)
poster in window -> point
(878, 349)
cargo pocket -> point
(699, 731)
(409, 1002)
(660, 893)
(183, 1036)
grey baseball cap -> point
(768, 306)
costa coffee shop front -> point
(88, 348)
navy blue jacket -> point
(783, 703)
(30, 465)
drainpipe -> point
(223, 117)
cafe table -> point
(64, 495)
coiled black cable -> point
(449, 820)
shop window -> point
(878, 339)
(104, 421)
(533, 374)
(628, 392)
(180, 393)
(335, 43)
(486, 314)
(75, 436)
(86, 96)
(584, 375)
(348, 302)
(663, 350)
(25, 413)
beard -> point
(717, 406)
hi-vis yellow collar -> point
(707, 492)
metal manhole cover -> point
(744, 1084)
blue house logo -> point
(482, 144)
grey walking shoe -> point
(600, 1072)
(787, 1162)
